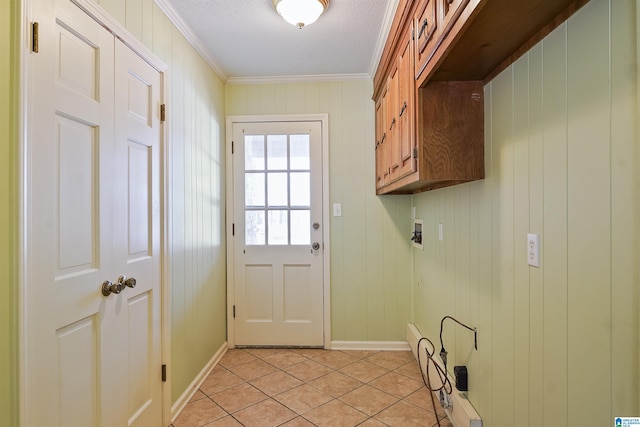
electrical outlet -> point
(441, 232)
(533, 250)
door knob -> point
(109, 288)
(315, 246)
(128, 282)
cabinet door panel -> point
(406, 105)
(425, 25)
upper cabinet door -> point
(406, 106)
(449, 11)
(425, 26)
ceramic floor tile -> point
(219, 380)
(284, 359)
(406, 415)
(308, 370)
(422, 399)
(335, 414)
(304, 398)
(276, 383)
(199, 413)
(368, 400)
(197, 396)
(264, 352)
(335, 384)
(238, 397)
(235, 357)
(253, 370)
(336, 359)
(267, 413)
(309, 352)
(396, 384)
(363, 371)
(227, 421)
(391, 359)
(360, 354)
(410, 370)
(299, 422)
(308, 390)
(372, 422)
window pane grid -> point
(277, 189)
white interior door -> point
(278, 248)
(92, 215)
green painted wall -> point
(8, 206)
(370, 251)
(557, 345)
(195, 185)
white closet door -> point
(92, 215)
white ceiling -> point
(246, 40)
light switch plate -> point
(533, 250)
(337, 209)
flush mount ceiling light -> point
(300, 12)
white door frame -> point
(25, 97)
(326, 271)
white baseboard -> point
(462, 413)
(182, 401)
(370, 345)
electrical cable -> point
(446, 386)
(442, 374)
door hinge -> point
(34, 37)
(415, 153)
(234, 311)
(233, 229)
(164, 373)
(232, 148)
(163, 112)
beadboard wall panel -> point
(370, 251)
(197, 253)
(559, 344)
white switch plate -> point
(337, 209)
(441, 232)
(533, 250)
(413, 212)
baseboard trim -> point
(462, 413)
(182, 401)
(371, 345)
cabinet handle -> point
(424, 26)
(404, 107)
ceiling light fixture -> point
(300, 12)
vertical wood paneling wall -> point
(370, 251)
(557, 345)
(8, 211)
(196, 191)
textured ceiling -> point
(247, 39)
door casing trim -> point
(326, 259)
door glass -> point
(277, 189)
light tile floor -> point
(312, 387)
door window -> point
(277, 177)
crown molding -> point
(382, 35)
(297, 79)
(191, 37)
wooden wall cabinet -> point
(428, 87)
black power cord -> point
(443, 352)
(446, 386)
